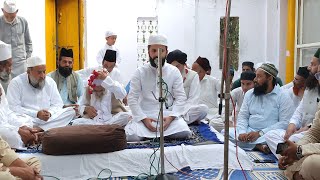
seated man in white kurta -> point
(5, 65)
(36, 95)
(304, 114)
(143, 102)
(16, 129)
(96, 104)
(191, 83)
(264, 108)
(209, 86)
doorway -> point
(64, 28)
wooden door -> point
(64, 28)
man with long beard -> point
(69, 83)
(37, 96)
(14, 30)
(143, 97)
(5, 65)
(303, 116)
(264, 108)
(96, 104)
(191, 83)
(16, 129)
(300, 160)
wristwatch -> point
(261, 133)
(299, 152)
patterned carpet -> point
(261, 171)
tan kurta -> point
(7, 156)
(310, 144)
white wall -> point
(34, 12)
(252, 30)
(283, 4)
(190, 25)
(121, 17)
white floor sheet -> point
(132, 162)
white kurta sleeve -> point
(194, 93)
(244, 114)
(12, 119)
(9, 127)
(84, 101)
(115, 87)
(134, 95)
(14, 96)
(218, 85)
(118, 57)
(56, 103)
(233, 101)
(80, 86)
(178, 94)
(85, 73)
(100, 56)
(296, 118)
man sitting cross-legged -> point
(97, 102)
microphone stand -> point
(162, 175)
(226, 95)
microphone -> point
(156, 61)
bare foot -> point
(263, 148)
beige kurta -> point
(7, 156)
(310, 146)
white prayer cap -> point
(35, 61)
(158, 39)
(5, 51)
(10, 6)
(110, 33)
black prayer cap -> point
(204, 63)
(178, 56)
(303, 71)
(248, 75)
(66, 52)
(248, 63)
(317, 54)
(110, 55)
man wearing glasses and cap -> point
(14, 30)
(143, 97)
(5, 65)
(36, 95)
